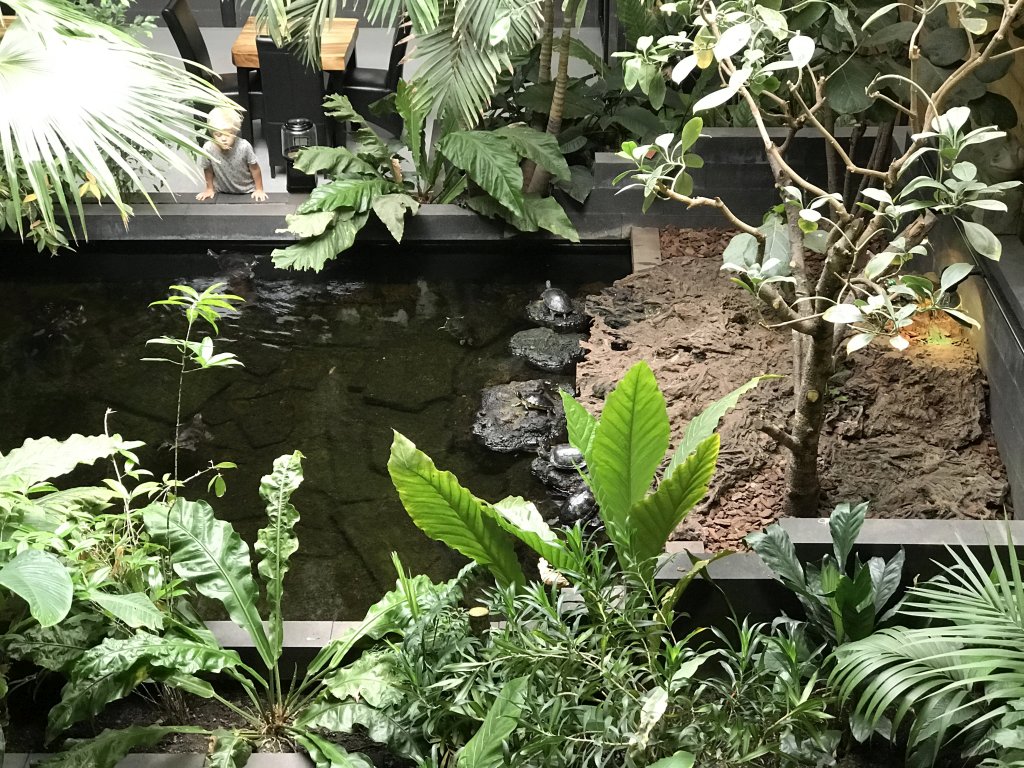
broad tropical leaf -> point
(334, 161)
(211, 555)
(538, 213)
(447, 512)
(391, 210)
(776, 549)
(654, 518)
(414, 110)
(370, 678)
(41, 580)
(351, 193)
(706, 422)
(45, 458)
(491, 162)
(581, 424)
(327, 754)
(314, 253)
(110, 747)
(541, 148)
(342, 717)
(521, 518)
(305, 225)
(135, 609)
(276, 543)
(844, 524)
(115, 667)
(629, 443)
(487, 747)
(228, 749)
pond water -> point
(333, 363)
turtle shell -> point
(556, 300)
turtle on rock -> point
(556, 301)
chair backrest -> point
(177, 14)
(227, 13)
(398, 46)
(290, 89)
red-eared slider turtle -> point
(556, 301)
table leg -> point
(246, 101)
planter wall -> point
(996, 300)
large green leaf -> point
(654, 518)
(44, 458)
(309, 224)
(115, 667)
(42, 581)
(447, 512)
(581, 424)
(211, 555)
(135, 609)
(391, 210)
(706, 422)
(110, 747)
(228, 749)
(314, 253)
(414, 110)
(348, 193)
(847, 86)
(57, 647)
(276, 543)
(342, 717)
(629, 443)
(487, 747)
(491, 162)
(542, 148)
(844, 525)
(370, 678)
(327, 754)
(334, 161)
(538, 213)
(521, 518)
(776, 549)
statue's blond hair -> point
(224, 119)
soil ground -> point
(908, 431)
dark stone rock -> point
(576, 320)
(547, 350)
(520, 416)
(561, 483)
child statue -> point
(231, 166)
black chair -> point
(290, 89)
(227, 13)
(365, 86)
(188, 38)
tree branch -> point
(780, 436)
(832, 141)
(716, 202)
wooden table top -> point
(338, 38)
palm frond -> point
(958, 675)
(83, 100)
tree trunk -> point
(803, 485)
(541, 177)
(543, 76)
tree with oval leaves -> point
(870, 218)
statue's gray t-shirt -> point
(231, 172)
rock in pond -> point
(547, 350)
(560, 482)
(574, 320)
(520, 416)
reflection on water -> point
(331, 367)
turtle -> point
(565, 456)
(556, 301)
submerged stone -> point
(547, 350)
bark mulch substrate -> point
(908, 431)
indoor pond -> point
(332, 364)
